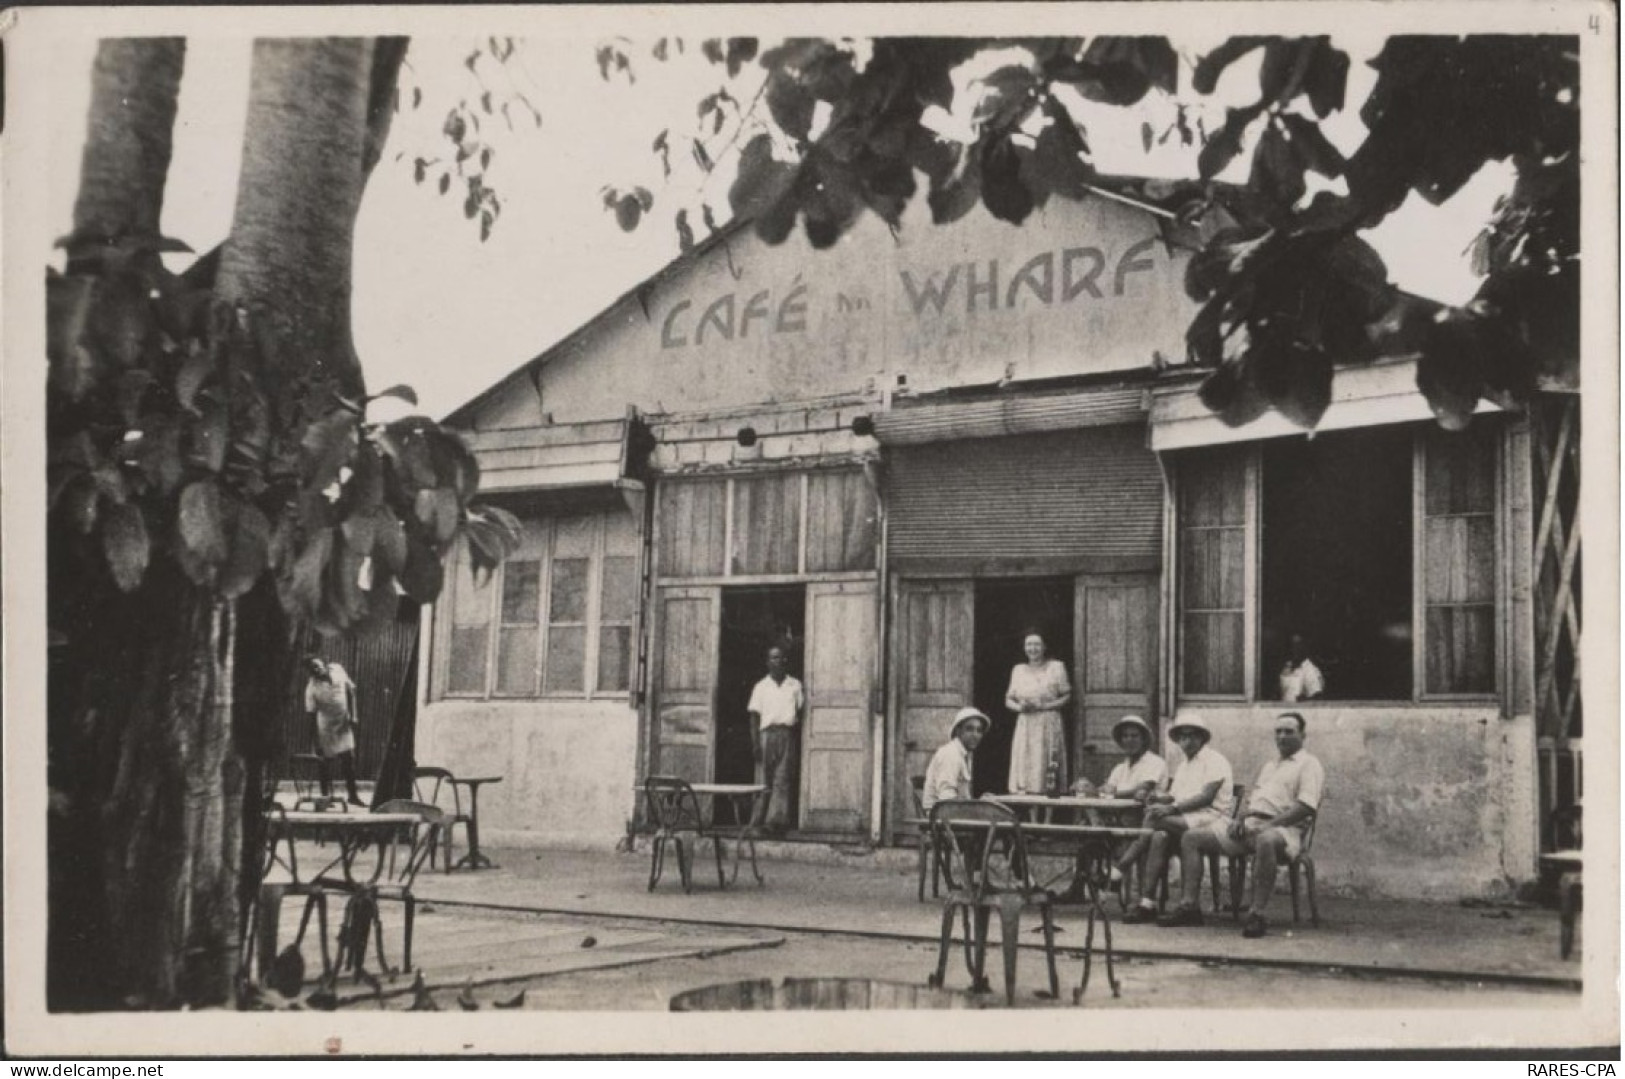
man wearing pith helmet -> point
(1198, 795)
(1138, 776)
(949, 773)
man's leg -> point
(324, 774)
(1269, 849)
(1166, 834)
(776, 758)
(1194, 847)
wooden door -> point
(687, 624)
(932, 676)
(1115, 637)
(836, 735)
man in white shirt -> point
(776, 707)
(1199, 794)
(949, 773)
(1301, 680)
(1283, 801)
(1136, 776)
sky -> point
(439, 310)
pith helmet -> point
(1191, 723)
(965, 716)
(1131, 723)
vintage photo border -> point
(31, 1031)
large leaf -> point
(1210, 67)
(201, 523)
(1223, 145)
(211, 436)
(761, 180)
(439, 512)
(1003, 192)
(1312, 146)
(1277, 173)
(126, 546)
(195, 369)
(304, 584)
(423, 573)
(250, 546)
(1326, 79)
(328, 444)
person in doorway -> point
(1283, 801)
(330, 702)
(949, 773)
(1301, 680)
(1199, 795)
(775, 709)
(1038, 691)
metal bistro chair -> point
(400, 861)
(987, 868)
(1299, 865)
(437, 787)
(929, 855)
(674, 810)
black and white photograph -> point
(589, 521)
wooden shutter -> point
(1215, 572)
(835, 740)
(932, 667)
(1115, 642)
(1459, 562)
(687, 627)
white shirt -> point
(778, 703)
(1150, 768)
(1302, 682)
(1284, 783)
(948, 775)
(1196, 772)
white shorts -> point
(1221, 829)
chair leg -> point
(1009, 940)
(685, 864)
(979, 983)
(1292, 878)
(923, 855)
(1048, 915)
(1309, 886)
(656, 855)
(1568, 887)
(969, 942)
(716, 849)
(1213, 871)
(407, 918)
(936, 980)
(1238, 886)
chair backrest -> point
(986, 850)
(1238, 801)
(406, 856)
(432, 785)
(917, 788)
(673, 805)
(1308, 834)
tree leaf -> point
(1312, 146)
(439, 510)
(423, 573)
(250, 547)
(1327, 79)
(628, 212)
(195, 370)
(1003, 192)
(1223, 146)
(1277, 172)
(685, 234)
(132, 389)
(1210, 67)
(327, 445)
(211, 436)
(400, 391)
(761, 180)
(200, 522)
(126, 546)
(304, 587)
(389, 541)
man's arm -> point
(1200, 800)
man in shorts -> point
(1281, 805)
(1199, 795)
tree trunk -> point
(134, 88)
(288, 259)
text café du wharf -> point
(1051, 277)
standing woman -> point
(330, 700)
(1038, 691)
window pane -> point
(1461, 470)
(693, 514)
(1214, 565)
(466, 670)
(573, 537)
(619, 602)
(767, 524)
(569, 599)
(516, 661)
(1460, 555)
(566, 659)
(615, 658)
(1461, 649)
(620, 533)
(841, 522)
(1335, 563)
(1213, 488)
(470, 599)
(1213, 651)
(520, 591)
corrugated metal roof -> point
(1083, 494)
(920, 424)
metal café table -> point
(1041, 808)
(1089, 849)
(743, 798)
(351, 833)
(474, 858)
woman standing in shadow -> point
(1038, 691)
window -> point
(557, 616)
(1372, 553)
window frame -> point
(546, 530)
(1253, 545)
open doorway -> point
(753, 620)
(1004, 611)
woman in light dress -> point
(1038, 691)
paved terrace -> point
(874, 894)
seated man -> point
(1137, 776)
(949, 773)
(1198, 796)
(1286, 796)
